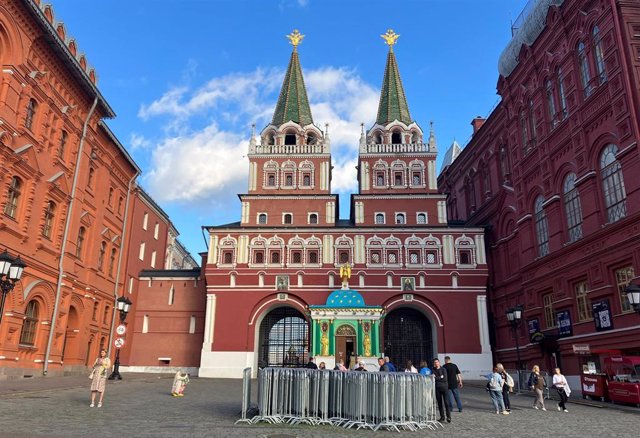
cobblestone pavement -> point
(141, 406)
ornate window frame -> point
(227, 245)
(465, 243)
(341, 244)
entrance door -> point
(407, 336)
(346, 345)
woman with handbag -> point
(537, 384)
(98, 377)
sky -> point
(188, 78)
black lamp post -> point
(10, 272)
(633, 295)
(122, 304)
(514, 315)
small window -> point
(80, 242)
(549, 318)
(271, 139)
(311, 138)
(414, 257)
(313, 257)
(313, 218)
(296, 257)
(275, 257)
(13, 197)
(343, 256)
(392, 258)
(94, 316)
(396, 137)
(145, 221)
(400, 219)
(582, 302)
(421, 218)
(379, 218)
(287, 219)
(63, 143)
(32, 107)
(112, 261)
(416, 179)
(290, 139)
(141, 253)
(380, 179)
(376, 257)
(156, 231)
(110, 198)
(120, 204)
(288, 180)
(228, 258)
(91, 177)
(101, 254)
(49, 216)
(432, 257)
(30, 324)
(306, 180)
(153, 259)
(465, 257)
(262, 219)
(397, 179)
(172, 295)
(258, 257)
(271, 180)
(105, 315)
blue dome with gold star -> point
(345, 298)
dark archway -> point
(284, 339)
(408, 335)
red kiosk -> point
(623, 373)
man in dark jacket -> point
(442, 390)
(311, 364)
(383, 365)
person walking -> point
(442, 389)
(562, 386)
(454, 377)
(424, 368)
(410, 368)
(98, 377)
(507, 387)
(494, 386)
(537, 383)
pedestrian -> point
(424, 368)
(390, 365)
(507, 387)
(562, 386)
(410, 368)
(494, 386)
(311, 364)
(322, 366)
(454, 377)
(383, 365)
(340, 366)
(180, 382)
(537, 383)
(98, 377)
(442, 389)
(360, 367)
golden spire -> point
(390, 38)
(295, 38)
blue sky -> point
(188, 78)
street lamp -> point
(123, 304)
(514, 315)
(633, 295)
(12, 269)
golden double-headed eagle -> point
(295, 38)
(390, 38)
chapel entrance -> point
(284, 339)
(346, 345)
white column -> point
(213, 249)
(431, 169)
(483, 325)
(447, 249)
(481, 258)
(209, 322)
(442, 212)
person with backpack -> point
(538, 384)
(494, 386)
(507, 387)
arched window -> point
(32, 106)
(572, 207)
(532, 122)
(400, 218)
(505, 166)
(313, 218)
(378, 137)
(120, 204)
(306, 180)
(91, 177)
(524, 132)
(80, 242)
(228, 258)
(271, 139)
(110, 199)
(421, 218)
(258, 257)
(585, 70)
(311, 138)
(563, 98)
(542, 227)
(287, 218)
(613, 184)
(275, 257)
(380, 179)
(290, 138)
(379, 218)
(13, 197)
(597, 53)
(551, 103)
(415, 137)
(63, 143)
(396, 137)
(112, 261)
(103, 250)
(313, 257)
(30, 324)
(262, 218)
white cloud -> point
(208, 162)
(138, 141)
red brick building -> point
(64, 194)
(273, 280)
(554, 172)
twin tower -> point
(290, 164)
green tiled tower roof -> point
(393, 102)
(293, 103)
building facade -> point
(65, 191)
(291, 280)
(554, 175)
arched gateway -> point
(284, 339)
(408, 335)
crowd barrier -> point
(370, 400)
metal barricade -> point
(392, 401)
(246, 396)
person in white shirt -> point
(561, 385)
(410, 368)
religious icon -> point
(408, 283)
(282, 282)
(367, 345)
(345, 275)
(324, 340)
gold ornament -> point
(390, 38)
(295, 38)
